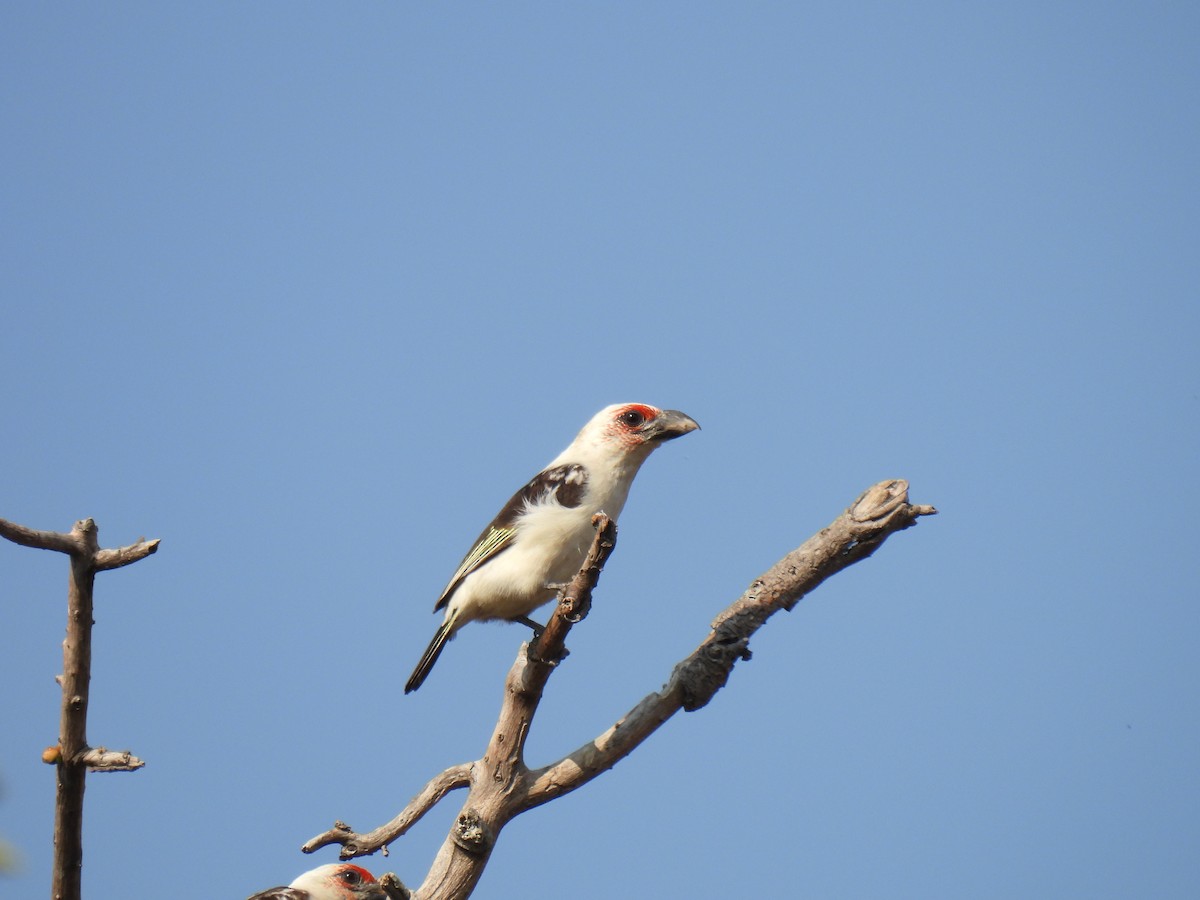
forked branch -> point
(502, 787)
(72, 755)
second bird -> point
(541, 536)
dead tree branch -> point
(502, 787)
(101, 759)
(72, 755)
(360, 844)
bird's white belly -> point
(549, 549)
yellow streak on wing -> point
(489, 545)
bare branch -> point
(99, 759)
(502, 787)
(853, 536)
(354, 844)
(40, 540)
(72, 755)
(527, 678)
(114, 559)
(72, 729)
(604, 752)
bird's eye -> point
(631, 418)
(350, 876)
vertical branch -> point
(72, 729)
(73, 757)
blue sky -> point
(307, 290)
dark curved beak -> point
(670, 424)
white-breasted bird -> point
(541, 536)
(336, 881)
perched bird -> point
(336, 881)
(541, 536)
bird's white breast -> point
(548, 548)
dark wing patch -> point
(565, 484)
(570, 490)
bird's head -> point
(340, 881)
(638, 426)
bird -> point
(540, 537)
(336, 881)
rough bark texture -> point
(72, 755)
(502, 787)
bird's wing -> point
(563, 485)
(280, 893)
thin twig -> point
(438, 787)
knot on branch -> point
(471, 834)
(705, 672)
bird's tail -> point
(430, 656)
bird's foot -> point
(525, 620)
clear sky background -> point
(307, 290)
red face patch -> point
(635, 415)
(355, 875)
(628, 422)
